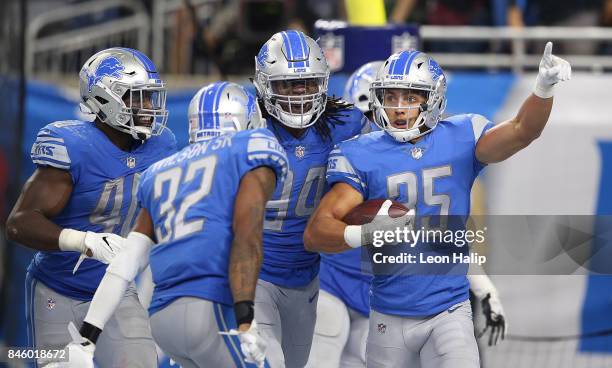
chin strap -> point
(141, 133)
(286, 117)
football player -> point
(291, 76)
(341, 329)
(200, 228)
(421, 320)
(82, 196)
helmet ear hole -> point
(101, 100)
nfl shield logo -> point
(382, 328)
(131, 162)
(403, 42)
(417, 152)
(333, 49)
(50, 303)
(300, 151)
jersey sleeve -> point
(340, 169)
(479, 125)
(54, 148)
(364, 125)
(359, 122)
(353, 123)
(143, 190)
(170, 145)
(370, 127)
(263, 149)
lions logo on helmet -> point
(262, 55)
(435, 69)
(411, 70)
(109, 67)
(219, 108)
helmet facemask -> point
(297, 103)
(291, 77)
(144, 111)
(391, 95)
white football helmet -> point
(122, 88)
(411, 70)
(219, 108)
(357, 88)
(291, 76)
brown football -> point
(365, 212)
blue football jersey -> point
(346, 275)
(435, 176)
(103, 199)
(286, 262)
(190, 197)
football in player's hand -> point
(365, 212)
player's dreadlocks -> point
(332, 115)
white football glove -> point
(80, 351)
(252, 344)
(103, 246)
(495, 318)
(553, 70)
(363, 235)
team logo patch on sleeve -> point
(50, 151)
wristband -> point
(90, 332)
(352, 236)
(72, 240)
(244, 311)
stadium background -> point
(555, 321)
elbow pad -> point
(133, 258)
